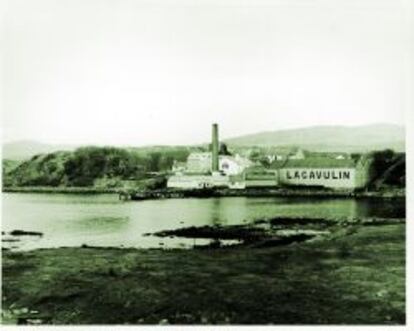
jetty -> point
(168, 193)
(165, 194)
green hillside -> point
(90, 166)
(111, 167)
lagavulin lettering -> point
(318, 174)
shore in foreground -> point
(357, 277)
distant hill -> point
(318, 138)
(25, 149)
(330, 138)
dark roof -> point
(314, 162)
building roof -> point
(314, 162)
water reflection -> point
(99, 224)
(380, 208)
(73, 220)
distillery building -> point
(210, 169)
(335, 173)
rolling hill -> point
(330, 138)
(25, 149)
(318, 138)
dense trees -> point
(388, 168)
(87, 164)
(91, 166)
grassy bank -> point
(354, 277)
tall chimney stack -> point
(214, 149)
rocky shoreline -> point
(132, 194)
(276, 231)
(346, 272)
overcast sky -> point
(160, 72)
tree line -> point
(84, 165)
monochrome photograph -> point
(205, 162)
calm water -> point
(103, 220)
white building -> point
(233, 165)
(324, 172)
(197, 181)
(198, 163)
(196, 173)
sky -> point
(160, 72)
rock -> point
(34, 321)
(10, 240)
(25, 233)
(163, 322)
(19, 311)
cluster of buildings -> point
(210, 169)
